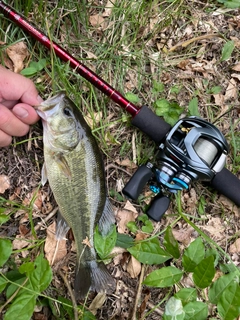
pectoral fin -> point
(63, 164)
(107, 219)
(44, 174)
(62, 227)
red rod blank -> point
(84, 71)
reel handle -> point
(158, 207)
(137, 182)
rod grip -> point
(148, 122)
(227, 184)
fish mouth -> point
(47, 107)
(50, 103)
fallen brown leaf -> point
(130, 207)
(21, 242)
(215, 228)
(108, 8)
(183, 235)
(126, 163)
(219, 99)
(231, 91)
(133, 267)
(4, 183)
(236, 67)
(55, 250)
(96, 20)
(123, 217)
(235, 247)
(97, 302)
(141, 236)
(17, 52)
(38, 199)
(236, 76)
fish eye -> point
(67, 112)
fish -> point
(74, 168)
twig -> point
(67, 284)
(111, 165)
(187, 42)
(138, 295)
(51, 214)
(13, 296)
(157, 310)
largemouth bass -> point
(74, 168)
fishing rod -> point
(192, 150)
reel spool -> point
(194, 149)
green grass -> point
(130, 51)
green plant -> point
(233, 4)
(34, 67)
(198, 263)
(170, 111)
(24, 287)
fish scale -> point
(74, 168)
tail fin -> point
(92, 276)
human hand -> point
(17, 96)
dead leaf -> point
(97, 302)
(4, 183)
(108, 8)
(236, 67)
(17, 52)
(123, 217)
(235, 247)
(183, 64)
(215, 228)
(141, 236)
(236, 41)
(236, 76)
(96, 20)
(134, 267)
(21, 242)
(219, 99)
(231, 91)
(38, 197)
(87, 242)
(55, 250)
(97, 116)
(143, 305)
(126, 163)
(183, 235)
(23, 230)
(130, 207)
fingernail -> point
(20, 112)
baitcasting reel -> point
(194, 149)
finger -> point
(10, 124)
(16, 87)
(25, 113)
(5, 139)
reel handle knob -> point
(137, 182)
(158, 207)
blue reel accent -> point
(181, 183)
(163, 178)
(155, 189)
